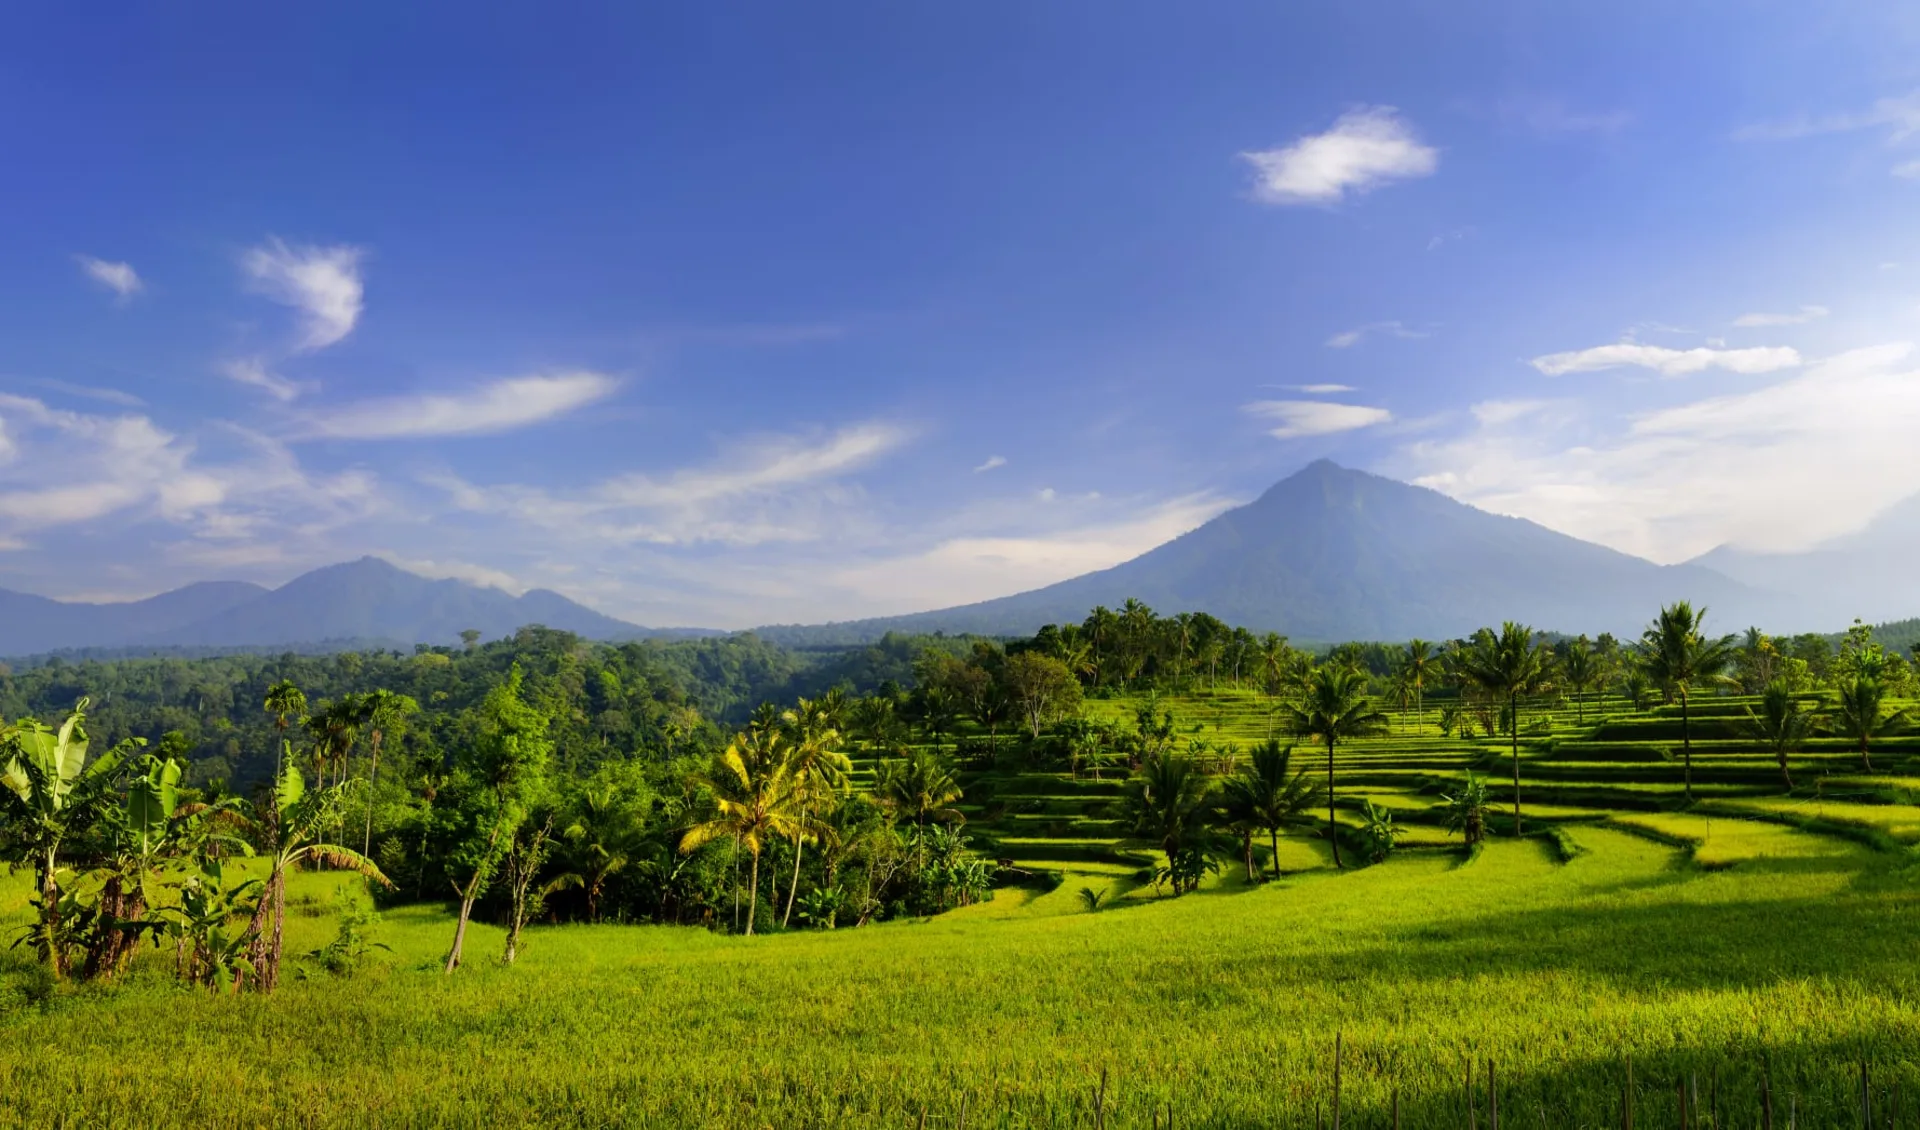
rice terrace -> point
(1086, 878)
(1017, 565)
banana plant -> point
(210, 951)
(303, 818)
(51, 793)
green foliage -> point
(1378, 834)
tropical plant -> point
(303, 818)
(819, 773)
(1091, 899)
(1418, 665)
(1505, 665)
(921, 787)
(1781, 725)
(1266, 796)
(1467, 809)
(1168, 801)
(1378, 832)
(384, 713)
(754, 798)
(499, 776)
(1580, 669)
(1676, 655)
(1334, 708)
(821, 906)
(51, 795)
(1860, 712)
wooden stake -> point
(1473, 1118)
(962, 1125)
(1336, 1081)
(1100, 1103)
(1396, 1108)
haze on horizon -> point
(762, 315)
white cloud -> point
(1777, 468)
(91, 392)
(1899, 116)
(1355, 335)
(1667, 362)
(1551, 118)
(1298, 418)
(62, 469)
(252, 371)
(120, 278)
(1803, 315)
(1315, 390)
(495, 407)
(768, 489)
(439, 569)
(1493, 413)
(323, 283)
(1910, 170)
(993, 461)
(1367, 147)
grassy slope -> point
(1757, 927)
(1224, 1004)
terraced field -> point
(1597, 762)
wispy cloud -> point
(120, 278)
(1900, 117)
(993, 461)
(772, 489)
(495, 407)
(1909, 170)
(1551, 118)
(1367, 147)
(1803, 315)
(1299, 418)
(1830, 447)
(252, 371)
(1667, 362)
(322, 283)
(1314, 390)
(92, 392)
(1359, 333)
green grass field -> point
(1714, 945)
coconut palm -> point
(819, 773)
(1506, 665)
(755, 801)
(1676, 655)
(1334, 708)
(1168, 800)
(1860, 712)
(1780, 724)
(1419, 664)
(921, 786)
(1267, 795)
(1580, 668)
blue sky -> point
(730, 314)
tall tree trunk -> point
(753, 894)
(1866, 761)
(1686, 741)
(1273, 840)
(1333, 829)
(56, 954)
(279, 922)
(373, 776)
(460, 930)
(1785, 775)
(1246, 844)
(1513, 720)
(799, 844)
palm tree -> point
(604, 833)
(384, 712)
(1580, 667)
(1676, 655)
(1333, 709)
(818, 771)
(1507, 665)
(1781, 724)
(1266, 795)
(1467, 809)
(288, 705)
(335, 729)
(755, 799)
(919, 785)
(1168, 800)
(1418, 665)
(1860, 713)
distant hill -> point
(368, 599)
(1335, 554)
(1868, 574)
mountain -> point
(31, 624)
(368, 599)
(1336, 554)
(1866, 574)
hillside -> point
(1865, 574)
(368, 599)
(1331, 553)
